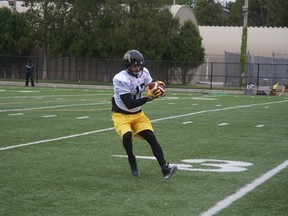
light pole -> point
(245, 13)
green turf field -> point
(59, 155)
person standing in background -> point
(29, 72)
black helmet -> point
(133, 57)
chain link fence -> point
(221, 70)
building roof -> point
(265, 41)
(216, 40)
(183, 12)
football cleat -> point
(133, 166)
(168, 171)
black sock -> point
(155, 146)
(127, 144)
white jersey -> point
(124, 83)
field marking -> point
(217, 110)
(83, 117)
(259, 126)
(27, 91)
(46, 96)
(55, 139)
(112, 128)
(52, 107)
(244, 190)
(49, 116)
(218, 165)
(187, 122)
(15, 114)
(203, 98)
(223, 124)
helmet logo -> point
(127, 56)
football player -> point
(128, 118)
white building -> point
(223, 45)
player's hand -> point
(161, 83)
(152, 95)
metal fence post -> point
(258, 73)
(211, 77)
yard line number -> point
(205, 165)
(213, 165)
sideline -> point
(70, 85)
(245, 190)
(155, 120)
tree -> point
(15, 39)
(82, 29)
(277, 15)
(261, 13)
(235, 17)
(59, 39)
(243, 56)
(257, 13)
(187, 50)
(102, 29)
(208, 12)
(150, 26)
(112, 37)
(40, 18)
(14, 34)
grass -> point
(62, 145)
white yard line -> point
(111, 128)
(15, 114)
(217, 110)
(83, 117)
(52, 107)
(49, 116)
(51, 96)
(55, 139)
(223, 124)
(244, 190)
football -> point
(154, 86)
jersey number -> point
(139, 88)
